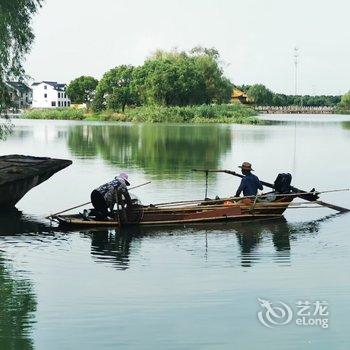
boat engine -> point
(282, 183)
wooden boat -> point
(200, 211)
(264, 206)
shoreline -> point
(225, 113)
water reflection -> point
(17, 307)
(106, 246)
(158, 149)
(14, 222)
(115, 246)
(17, 298)
(346, 125)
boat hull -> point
(156, 216)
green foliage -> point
(243, 87)
(224, 113)
(170, 80)
(55, 113)
(115, 90)
(234, 113)
(82, 89)
(218, 89)
(16, 37)
(314, 101)
(165, 79)
(260, 95)
(345, 101)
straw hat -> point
(246, 166)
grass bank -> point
(225, 113)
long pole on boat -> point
(82, 205)
(310, 196)
(213, 201)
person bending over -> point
(114, 192)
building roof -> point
(19, 86)
(54, 84)
(236, 93)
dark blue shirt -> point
(249, 185)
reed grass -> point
(223, 113)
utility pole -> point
(296, 62)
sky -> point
(255, 38)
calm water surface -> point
(189, 287)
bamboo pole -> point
(332, 206)
(302, 194)
(83, 205)
(245, 197)
(258, 206)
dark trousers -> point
(100, 205)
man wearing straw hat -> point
(250, 184)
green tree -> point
(279, 100)
(82, 89)
(345, 101)
(260, 94)
(217, 87)
(174, 78)
(179, 78)
(115, 89)
(170, 79)
(16, 37)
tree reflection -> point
(157, 149)
(17, 307)
(346, 125)
(17, 298)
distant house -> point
(239, 96)
(21, 94)
(49, 94)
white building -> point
(49, 94)
(20, 94)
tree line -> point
(260, 95)
(181, 79)
(166, 78)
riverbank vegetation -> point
(167, 83)
(344, 105)
(175, 78)
(260, 95)
(223, 113)
(16, 36)
(175, 86)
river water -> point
(188, 287)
